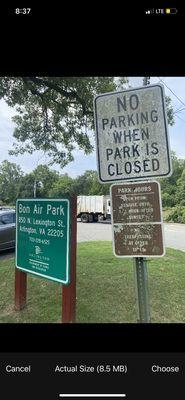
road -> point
(7, 254)
(174, 235)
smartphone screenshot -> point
(92, 202)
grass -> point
(105, 289)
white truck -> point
(93, 208)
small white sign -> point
(132, 134)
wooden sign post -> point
(69, 291)
(20, 289)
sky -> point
(82, 162)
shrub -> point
(182, 203)
(177, 214)
(168, 200)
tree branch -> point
(73, 94)
(32, 89)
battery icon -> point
(171, 11)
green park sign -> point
(42, 238)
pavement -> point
(7, 254)
(174, 235)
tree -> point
(10, 181)
(55, 113)
(45, 178)
(168, 200)
(88, 184)
(180, 193)
(26, 189)
(169, 108)
(83, 183)
(42, 179)
(169, 186)
(96, 187)
(64, 185)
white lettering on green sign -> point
(42, 238)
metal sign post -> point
(141, 279)
(141, 275)
(133, 145)
(137, 231)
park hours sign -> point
(132, 135)
(42, 238)
(137, 227)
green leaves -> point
(10, 177)
(54, 113)
(173, 188)
(169, 108)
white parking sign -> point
(132, 135)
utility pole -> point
(141, 275)
(35, 188)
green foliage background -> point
(55, 115)
(49, 183)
